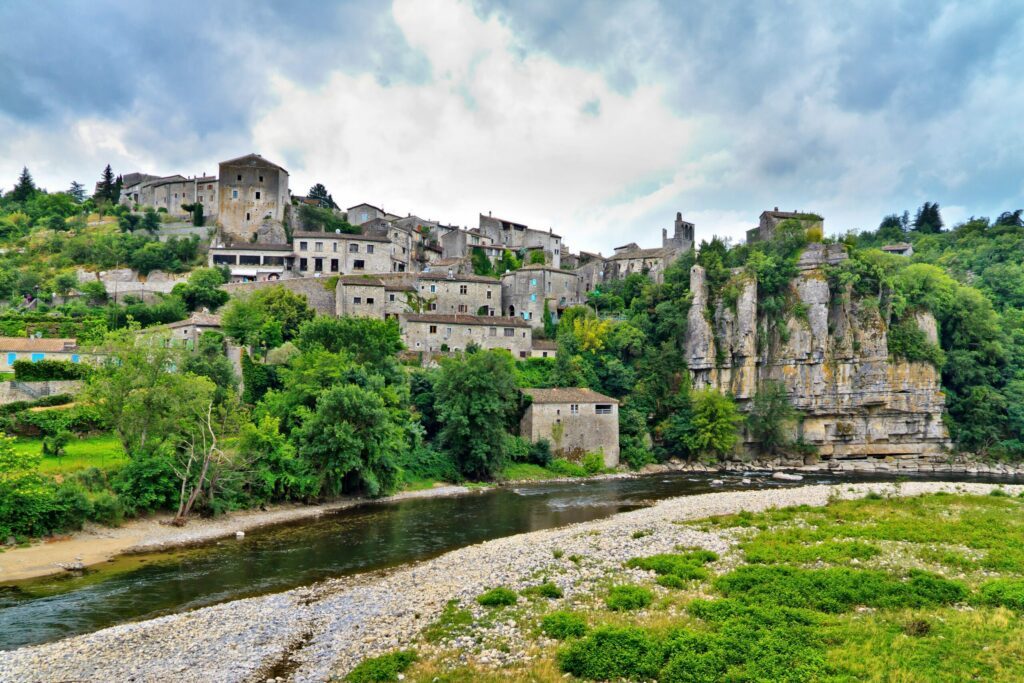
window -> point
(493, 331)
(432, 306)
(527, 315)
(369, 248)
(447, 331)
(369, 301)
(11, 357)
(36, 357)
(533, 282)
(574, 408)
(257, 194)
(247, 216)
(544, 354)
(463, 290)
(318, 246)
(488, 294)
(533, 297)
(433, 288)
(239, 178)
(261, 180)
(433, 329)
(357, 299)
(302, 264)
(318, 264)
(603, 409)
(200, 198)
(303, 246)
(74, 358)
(334, 265)
(363, 216)
(234, 194)
(463, 309)
(391, 297)
(209, 187)
(510, 332)
(359, 264)
(353, 248)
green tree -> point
(322, 196)
(928, 219)
(365, 339)
(713, 423)
(106, 189)
(24, 189)
(476, 399)
(769, 415)
(537, 257)
(353, 441)
(548, 321)
(266, 318)
(202, 289)
(481, 264)
(77, 191)
(273, 471)
(150, 220)
(209, 360)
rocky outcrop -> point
(831, 352)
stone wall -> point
(574, 436)
(321, 299)
(833, 359)
(11, 392)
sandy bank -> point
(96, 544)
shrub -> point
(628, 597)
(48, 370)
(383, 668)
(497, 597)
(107, 509)
(681, 567)
(543, 590)
(612, 653)
(564, 468)
(517, 448)
(1003, 592)
(593, 463)
(561, 625)
(147, 483)
(540, 452)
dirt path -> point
(96, 544)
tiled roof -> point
(446, 319)
(567, 395)
(39, 345)
(365, 280)
(657, 252)
(252, 160)
(899, 246)
(455, 277)
(200, 319)
(341, 236)
(545, 344)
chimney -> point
(488, 214)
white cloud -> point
(492, 130)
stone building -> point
(466, 294)
(363, 213)
(252, 261)
(187, 332)
(769, 220)
(899, 249)
(544, 348)
(361, 296)
(36, 349)
(252, 198)
(432, 332)
(524, 291)
(594, 269)
(575, 421)
(517, 236)
(338, 253)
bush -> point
(628, 597)
(543, 590)
(497, 597)
(147, 483)
(49, 370)
(611, 653)
(636, 457)
(55, 444)
(382, 668)
(564, 468)
(107, 509)
(682, 567)
(593, 463)
(561, 625)
(426, 462)
(517, 448)
(1003, 592)
(540, 452)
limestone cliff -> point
(832, 357)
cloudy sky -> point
(598, 119)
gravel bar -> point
(319, 631)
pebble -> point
(325, 629)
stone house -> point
(432, 332)
(363, 213)
(576, 421)
(524, 291)
(188, 331)
(36, 349)
(769, 220)
(252, 197)
(361, 296)
(252, 261)
(338, 253)
(544, 348)
(899, 249)
(517, 236)
(461, 294)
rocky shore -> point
(317, 632)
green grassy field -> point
(878, 589)
(103, 452)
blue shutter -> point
(11, 357)
(74, 358)
(36, 357)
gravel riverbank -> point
(315, 632)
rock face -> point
(832, 356)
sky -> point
(598, 119)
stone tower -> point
(682, 236)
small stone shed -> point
(575, 420)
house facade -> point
(524, 291)
(333, 253)
(252, 193)
(35, 349)
(433, 333)
(361, 296)
(576, 421)
(517, 236)
(459, 294)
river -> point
(368, 537)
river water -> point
(367, 537)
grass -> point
(383, 668)
(526, 471)
(498, 597)
(103, 452)
(454, 620)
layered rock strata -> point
(832, 356)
